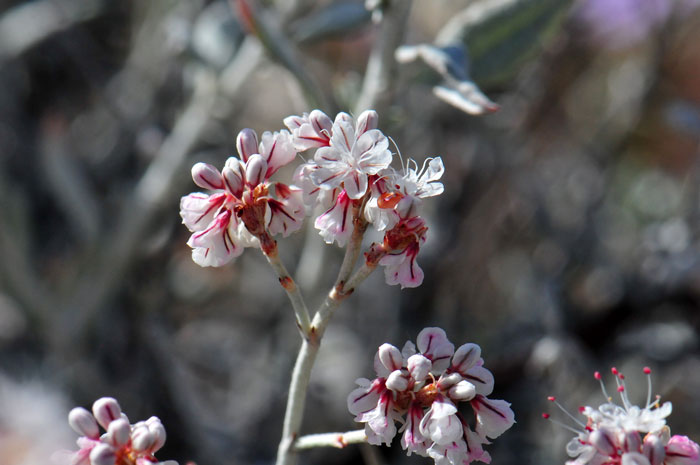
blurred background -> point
(566, 241)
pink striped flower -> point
(423, 389)
(121, 444)
(244, 204)
(626, 434)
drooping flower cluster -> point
(350, 172)
(242, 211)
(349, 180)
(121, 444)
(627, 434)
(422, 389)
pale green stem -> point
(292, 290)
(337, 440)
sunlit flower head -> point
(423, 387)
(121, 443)
(626, 434)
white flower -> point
(121, 444)
(244, 204)
(427, 387)
(612, 434)
(354, 153)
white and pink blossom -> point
(244, 204)
(626, 434)
(423, 387)
(121, 444)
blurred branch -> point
(381, 68)
(29, 23)
(269, 31)
(151, 193)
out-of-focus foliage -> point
(566, 240)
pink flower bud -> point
(464, 390)
(233, 175)
(397, 381)
(102, 454)
(604, 441)
(680, 450)
(653, 449)
(106, 410)
(390, 357)
(633, 441)
(83, 423)
(418, 366)
(247, 144)
(206, 176)
(366, 121)
(447, 381)
(141, 438)
(255, 169)
(119, 432)
(157, 430)
(320, 122)
(466, 357)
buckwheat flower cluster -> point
(421, 390)
(350, 178)
(626, 434)
(121, 444)
(245, 208)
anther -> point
(647, 370)
(620, 388)
(545, 416)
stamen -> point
(597, 376)
(620, 381)
(560, 424)
(398, 152)
(647, 371)
(576, 420)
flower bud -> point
(464, 390)
(447, 381)
(83, 423)
(206, 176)
(680, 450)
(102, 454)
(466, 357)
(653, 449)
(366, 121)
(106, 410)
(157, 430)
(233, 175)
(397, 381)
(604, 442)
(141, 438)
(418, 366)
(390, 357)
(320, 122)
(255, 169)
(247, 144)
(633, 441)
(119, 432)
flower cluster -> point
(627, 434)
(242, 210)
(122, 444)
(426, 386)
(349, 180)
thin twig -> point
(293, 292)
(305, 361)
(337, 440)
